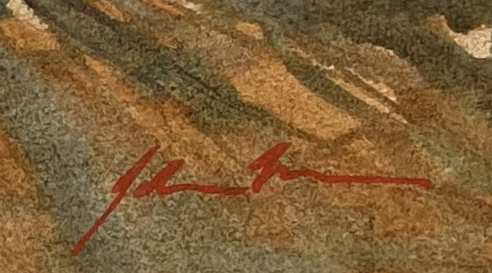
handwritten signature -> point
(267, 164)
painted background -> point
(359, 87)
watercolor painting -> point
(245, 136)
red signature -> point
(267, 164)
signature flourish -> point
(267, 164)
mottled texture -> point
(360, 87)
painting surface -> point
(379, 88)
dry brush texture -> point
(359, 87)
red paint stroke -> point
(267, 164)
(158, 183)
(121, 187)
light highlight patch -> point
(337, 76)
(22, 12)
(197, 8)
(381, 87)
(192, 6)
(249, 29)
(477, 42)
(169, 6)
(360, 93)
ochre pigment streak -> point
(268, 165)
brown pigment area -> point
(25, 231)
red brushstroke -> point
(158, 183)
(268, 165)
(120, 187)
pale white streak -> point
(192, 6)
(477, 42)
(22, 12)
(361, 94)
(188, 5)
(380, 86)
(384, 50)
(336, 75)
